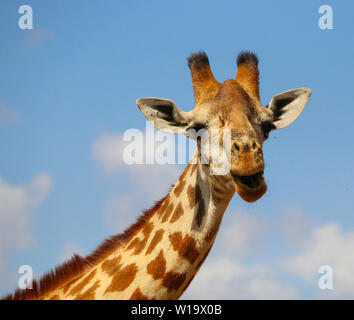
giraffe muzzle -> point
(250, 187)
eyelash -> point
(197, 127)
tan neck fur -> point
(161, 259)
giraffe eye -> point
(197, 126)
(267, 127)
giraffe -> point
(158, 256)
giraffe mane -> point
(72, 268)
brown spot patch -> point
(69, 284)
(191, 196)
(173, 280)
(186, 247)
(112, 266)
(168, 212)
(195, 198)
(123, 278)
(137, 295)
(133, 243)
(217, 199)
(89, 294)
(178, 189)
(157, 267)
(82, 284)
(193, 168)
(155, 240)
(146, 232)
(177, 213)
(218, 195)
(139, 244)
(55, 297)
(175, 239)
(164, 206)
(201, 206)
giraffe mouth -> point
(250, 187)
(250, 182)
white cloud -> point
(17, 207)
(326, 245)
(229, 274)
(242, 234)
(294, 226)
(7, 115)
(227, 278)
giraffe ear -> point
(164, 114)
(288, 105)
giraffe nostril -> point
(236, 146)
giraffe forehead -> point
(241, 118)
(231, 107)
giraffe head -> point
(234, 107)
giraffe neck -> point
(160, 259)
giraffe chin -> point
(250, 188)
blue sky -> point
(67, 94)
